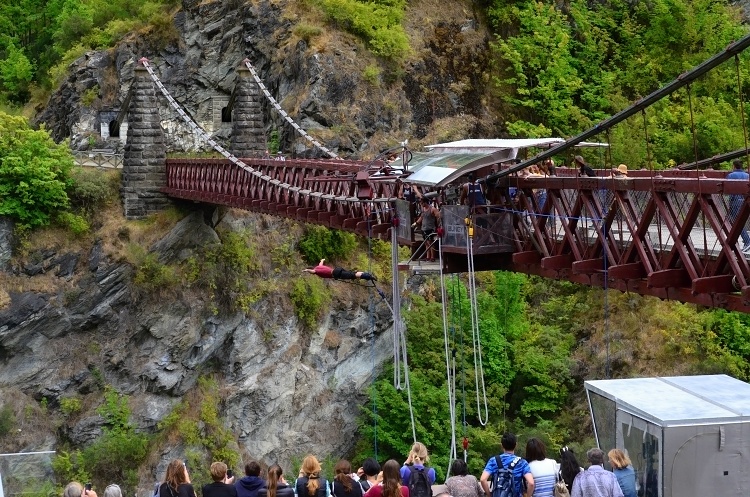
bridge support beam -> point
(144, 161)
(248, 136)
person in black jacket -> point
(222, 485)
(343, 485)
(276, 485)
(249, 485)
(309, 483)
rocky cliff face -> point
(320, 82)
(286, 391)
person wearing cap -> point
(584, 169)
(620, 171)
(280, 156)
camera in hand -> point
(230, 473)
(87, 487)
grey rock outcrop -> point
(289, 390)
(321, 89)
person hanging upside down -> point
(338, 273)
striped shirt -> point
(545, 476)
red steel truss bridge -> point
(671, 234)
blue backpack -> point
(503, 482)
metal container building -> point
(687, 436)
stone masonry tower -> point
(248, 136)
(144, 162)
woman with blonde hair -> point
(417, 461)
(176, 481)
(391, 485)
(309, 483)
(276, 485)
(623, 470)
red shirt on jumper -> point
(323, 271)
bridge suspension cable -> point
(231, 157)
(283, 113)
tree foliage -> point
(567, 66)
(34, 173)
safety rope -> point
(283, 113)
(400, 355)
(228, 155)
(475, 336)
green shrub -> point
(371, 74)
(378, 22)
(152, 274)
(75, 223)
(7, 420)
(88, 97)
(309, 296)
(320, 242)
(307, 32)
(70, 405)
(92, 189)
(34, 173)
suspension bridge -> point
(670, 234)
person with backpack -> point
(368, 473)
(510, 473)
(415, 475)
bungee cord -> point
(476, 339)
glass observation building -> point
(687, 436)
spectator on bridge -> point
(112, 490)
(584, 169)
(620, 172)
(473, 195)
(338, 273)
(736, 201)
(280, 156)
(75, 489)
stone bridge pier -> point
(144, 172)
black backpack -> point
(419, 483)
(503, 484)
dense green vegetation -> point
(540, 340)
(34, 173)
(39, 38)
(564, 67)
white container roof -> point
(679, 400)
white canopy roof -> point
(446, 162)
(679, 400)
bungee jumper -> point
(339, 273)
